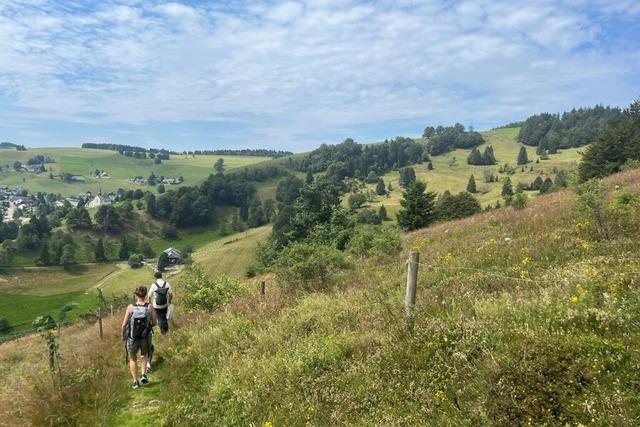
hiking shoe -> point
(135, 385)
(144, 379)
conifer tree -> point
(546, 186)
(43, 257)
(507, 188)
(417, 207)
(382, 213)
(163, 261)
(537, 183)
(475, 158)
(471, 185)
(488, 158)
(380, 187)
(523, 158)
(123, 254)
(430, 165)
(561, 180)
(100, 252)
(309, 178)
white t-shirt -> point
(152, 290)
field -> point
(517, 331)
(85, 161)
(453, 175)
(230, 255)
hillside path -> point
(122, 267)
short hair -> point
(158, 275)
(141, 292)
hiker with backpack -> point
(138, 321)
(161, 296)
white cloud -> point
(289, 70)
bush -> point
(368, 216)
(375, 241)
(608, 218)
(135, 261)
(519, 201)
(169, 232)
(306, 263)
(201, 292)
(5, 326)
(357, 200)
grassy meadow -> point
(523, 317)
(453, 175)
(80, 161)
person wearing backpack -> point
(161, 296)
(138, 321)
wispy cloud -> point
(295, 73)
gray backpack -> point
(139, 322)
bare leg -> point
(133, 368)
(144, 364)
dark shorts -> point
(141, 345)
(161, 315)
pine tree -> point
(507, 188)
(430, 165)
(561, 180)
(417, 207)
(309, 178)
(123, 254)
(537, 183)
(488, 158)
(546, 186)
(163, 261)
(68, 255)
(523, 158)
(100, 252)
(475, 158)
(380, 187)
(43, 257)
(382, 213)
(471, 185)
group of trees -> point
(575, 128)
(613, 147)
(444, 139)
(487, 158)
(260, 152)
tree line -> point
(575, 128)
(444, 139)
(255, 152)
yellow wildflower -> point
(574, 299)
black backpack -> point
(161, 293)
(139, 322)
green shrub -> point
(375, 241)
(519, 201)
(306, 263)
(201, 292)
(135, 261)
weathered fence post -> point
(112, 309)
(100, 322)
(412, 280)
(261, 287)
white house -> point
(99, 200)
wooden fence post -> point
(412, 280)
(100, 322)
(262, 290)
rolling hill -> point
(521, 317)
(81, 161)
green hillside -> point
(451, 175)
(85, 161)
(521, 317)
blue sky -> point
(295, 74)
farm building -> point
(175, 256)
(100, 200)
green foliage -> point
(457, 206)
(163, 261)
(356, 200)
(108, 219)
(78, 219)
(5, 326)
(519, 200)
(382, 213)
(309, 263)
(201, 292)
(381, 189)
(523, 158)
(370, 241)
(471, 185)
(368, 216)
(507, 188)
(169, 232)
(487, 158)
(123, 252)
(417, 207)
(407, 176)
(446, 139)
(550, 132)
(547, 186)
(218, 166)
(68, 257)
(100, 254)
(135, 260)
